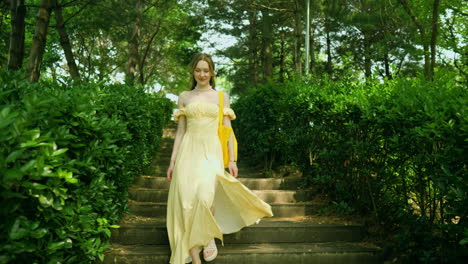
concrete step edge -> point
(240, 178)
(308, 203)
(282, 248)
(264, 223)
(138, 188)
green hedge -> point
(67, 155)
(397, 150)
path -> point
(295, 235)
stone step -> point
(160, 170)
(288, 183)
(269, 196)
(153, 232)
(297, 253)
(161, 163)
(151, 209)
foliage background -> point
(394, 150)
(380, 124)
(68, 154)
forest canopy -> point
(152, 41)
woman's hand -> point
(169, 172)
(233, 169)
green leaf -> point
(5, 122)
(97, 242)
(57, 205)
(107, 232)
(14, 155)
(13, 175)
(41, 232)
(28, 165)
(46, 201)
(464, 241)
(67, 175)
(17, 232)
(68, 243)
(60, 151)
(9, 194)
(56, 245)
(39, 186)
(85, 209)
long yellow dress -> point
(198, 166)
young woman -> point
(205, 201)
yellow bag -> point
(224, 133)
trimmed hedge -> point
(67, 155)
(397, 150)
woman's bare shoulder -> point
(184, 93)
(184, 96)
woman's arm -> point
(227, 122)
(233, 170)
(181, 125)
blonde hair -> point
(202, 57)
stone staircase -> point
(295, 235)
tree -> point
(16, 50)
(454, 36)
(267, 39)
(39, 41)
(152, 41)
(428, 39)
(101, 39)
(65, 41)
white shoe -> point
(211, 247)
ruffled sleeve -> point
(178, 113)
(229, 112)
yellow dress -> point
(198, 166)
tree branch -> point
(77, 12)
(410, 12)
(71, 3)
(458, 11)
(148, 45)
(257, 5)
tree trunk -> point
(313, 62)
(16, 50)
(387, 66)
(329, 67)
(435, 27)
(298, 36)
(133, 56)
(65, 42)
(253, 45)
(367, 58)
(39, 40)
(282, 57)
(267, 55)
(427, 59)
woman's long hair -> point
(205, 57)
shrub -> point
(67, 156)
(396, 150)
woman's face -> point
(202, 73)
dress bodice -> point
(202, 117)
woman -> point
(205, 201)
